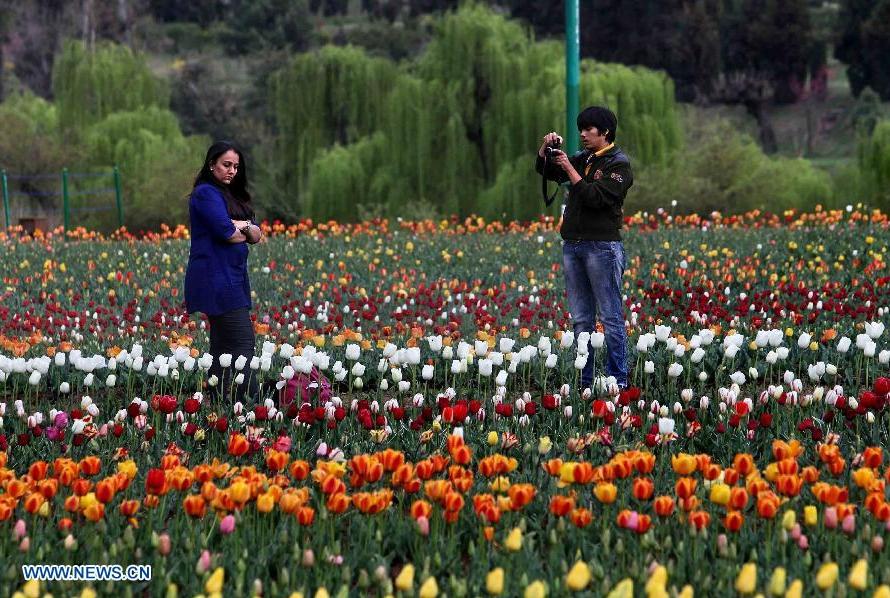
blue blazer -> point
(216, 278)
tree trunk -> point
(767, 134)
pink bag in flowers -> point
(313, 388)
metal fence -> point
(76, 190)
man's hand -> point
(551, 138)
(562, 160)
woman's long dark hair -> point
(237, 196)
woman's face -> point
(226, 167)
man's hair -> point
(600, 117)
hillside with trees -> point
(427, 108)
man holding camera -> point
(593, 255)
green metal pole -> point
(118, 196)
(5, 184)
(573, 45)
(65, 197)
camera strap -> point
(548, 200)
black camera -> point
(550, 150)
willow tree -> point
(874, 161)
(458, 127)
(90, 84)
(333, 95)
(157, 162)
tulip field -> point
(421, 430)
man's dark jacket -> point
(594, 208)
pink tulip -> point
(164, 544)
(803, 543)
(722, 542)
(19, 530)
(25, 544)
(308, 557)
(204, 561)
(795, 532)
(849, 524)
(282, 444)
(423, 525)
(877, 544)
(830, 517)
(227, 525)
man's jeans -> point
(593, 271)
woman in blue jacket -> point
(222, 224)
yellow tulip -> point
(720, 493)
(777, 582)
(322, 592)
(296, 595)
(88, 593)
(810, 515)
(624, 589)
(746, 582)
(215, 582)
(492, 438)
(658, 580)
(535, 589)
(789, 519)
(883, 591)
(859, 575)
(687, 592)
(826, 576)
(796, 589)
(514, 540)
(31, 589)
(494, 581)
(579, 576)
(405, 579)
(429, 589)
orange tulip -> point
(265, 502)
(767, 504)
(81, 487)
(421, 508)
(276, 460)
(552, 467)
(105, 490)
(787, 467)
(581, 517)
(521, 495)
(685, 487)
(462, 455)
(730, 476)
(402, 474)
(194, 505)
(733, 521)
(605, 492)
(391, 459)
(332, 485)
(837, 466)
(743, 463)
(738, 498)
(786, 450)
(5, 511)
(128, 508)
(37, 470)
(622, 468)
(299, 470)
(290, 502)
(33, 502)
(711, 472)
(305, 516)
(48, 488)
(810, 474)
(94, 512)
(170, 462)
(644, 463)
(436, 489)
(873, 457)
(424, 469)
(643, 488)
(561, 505)
(699, 519)
(683, 464)
(789, 485)
(90, 465)
(664, 506)
(238, 445)
(16, 488)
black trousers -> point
(232, 332)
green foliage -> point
(157, 163)
(88, 85)
(874, 161)
(724, 170)
(457, 128)
(864, 43)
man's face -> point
(592, 139)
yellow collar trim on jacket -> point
(604, 150)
